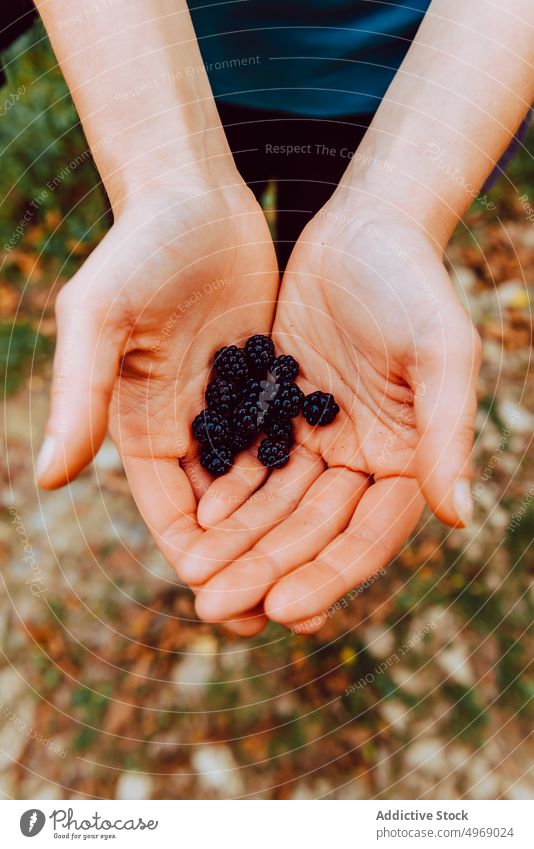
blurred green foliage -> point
(52, 205)
(21, 349)
(42, 144)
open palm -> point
(368, 310)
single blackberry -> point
(239, 440)
(216, 461)
(273, 454)
(281, 430)
(284, 367)
(259, 351)
(245, 418)
(210, 428)
(287, 400)
(221, 396)
(319, 408)
(231, 363)
(251, 390)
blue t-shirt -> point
(305, 57)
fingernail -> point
(45, 456)
(463, 502)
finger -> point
(444, 385)
(265, 509)
(198, 477)
(386, 515)
(323, 513)
(226, 494)
(309, 626)
(166, 502)
(249, 624)
(86, 364)
(160, 489)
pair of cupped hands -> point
(368, 310)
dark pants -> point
(304, 156)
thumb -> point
(444, 389)
(86, 364)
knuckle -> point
(74, 300)
(477, 346)
(469, 343)
(64, 301)
(465, 434)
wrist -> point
(409, 189)
(142, 92)
(180, 198)
(364, 208)
(176, 155)
(352, 231)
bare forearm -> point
(463, 89)
(137, 78)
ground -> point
(417, 687)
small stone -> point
(455, 663)
(429, 756)
(192, 674)
(379, 640)
(519, 792)
(355, 789)
(234, 657)
(45, 790)
(515, 417)
(217, 770)
(485, 787)
(513, 294)
(464, 278)
(132, 785)
(12, 687)
(458, 756)
(302, 792)
(395, 714)
(108, 459)
(18, 723)
(413, 681)
(446, 789)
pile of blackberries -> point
(254, 392)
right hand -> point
(367, 308)
(138, 325)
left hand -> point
(368, 309)
(137, 328)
